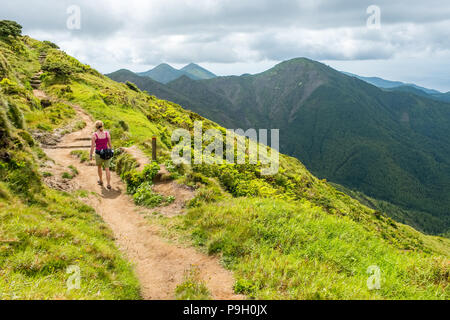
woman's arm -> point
(92, 147)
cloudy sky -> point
(412, 43)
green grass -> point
(83, 155)
(44, 232)
(146, 197)
(50, 118)
(282, 250)
(79, 125)
(193, 287)
(73, 173)
(392, 146)
(73, 170)
(289, 236)
(89, 98)
(66, 175)
(49, 237)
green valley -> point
(286, 236)
(391, 145)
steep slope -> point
(289, 235)
(194, 71)
(392, 146)
(404, 87)
(162, 91)
(46, 235)
(148, 84)
(160, 266)
(388, 84)
(444, 97)
(162, 73)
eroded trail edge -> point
(159, 265)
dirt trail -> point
(159, 265)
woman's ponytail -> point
(99, 125)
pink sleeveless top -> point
(101, 144)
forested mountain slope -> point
(391, 145)
(288, 235)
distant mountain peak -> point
(389, 84)
(165, 73)
(196, 71)
(164, 65)
(191, 65)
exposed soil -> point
(159, 265)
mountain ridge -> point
(405, 87)
(314, 241)
(164, 73)
(383, 126)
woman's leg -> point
(100, 176)
(108, 176)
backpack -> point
(106, 154)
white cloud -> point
(229, 34)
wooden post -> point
(154, 148)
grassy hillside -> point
(43, 231)
(391, 145)
(290, 235)
(150, 85)
(282, 250)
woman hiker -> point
(101, 139)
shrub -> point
(196, 178)
(79, 125)
(67, 175)
(10, 28)
(5, 130)
(26, 136)
(145, 196)
(16, 116)
(61, 65)
(23, 179)
(245, 286)
(4, 193)
(133, 179)
(206, 195)
(44, 127)
(117, 133)
(59, 68)
(50, 44)
(124, 163)
(11, 87)
(150, 171)
(132, 86)
(4, 67)
(123, 125)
